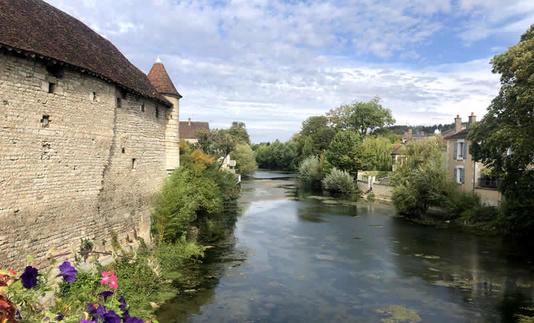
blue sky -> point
(273, 63)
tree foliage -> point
(245, 159)
(316, 135)
(361, 116)
(376, 154)
(276, 155)
(311, 172)
(422, 181)
(344, 151)
(238, 131)
(504, 139)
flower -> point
(123, 304)
(110, 279)
(105, 295)
(68, 272)
(86, 321)
(96, 311)
(60, 316)
(7, 310)
(111, 317)
(29, 277)
(133, 320)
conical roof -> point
(159, 78)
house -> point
(189, 130)
(86, 138)
(468, 174)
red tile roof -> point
(161, 81)
(189, 129)
(38, 30)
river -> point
(305, 258)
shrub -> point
(310, 172)
(245, 159)
(339, 182)
(457, 201)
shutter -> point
(462, 174)
(455, 151)
(456, 175)
(465, 150)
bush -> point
(310, 172)
(245, 159)
(458, 202)
(339, 182)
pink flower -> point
(110, 279)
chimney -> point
(457, 123)
(472, 119)
(189, 121)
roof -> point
(189, 129)
(161, 81)
(37, 30)
(462, 134)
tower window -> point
(123, 150)
(142, 107)
(119, 103)
(92, 96)
(157, 112)
(134, 163)
(45, 121)
(51, 87)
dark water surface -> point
(312, 259)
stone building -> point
(468, 174)
(86, 138)
(189, 130)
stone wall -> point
(76, 163)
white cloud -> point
(274, 63)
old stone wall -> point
(75, 163)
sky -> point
(272, 64)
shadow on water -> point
(300, 257)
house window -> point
(459, 175)
(119, 103)
(157, 112)
(51, 87)
(134, 163)
(460, 150)
(142, 107)
(45, 121)
(123, 150)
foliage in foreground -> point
(503, 139)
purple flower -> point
(133, 320)
(60, 317)
(29, 277)
(86, 321)
(123, 304)
(105, 295)
(111, 317)
(96, 311)
(68, 272)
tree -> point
(420, 182)
(344, 151)
(376, 154)
(245, 159)
(276, 155)
(316, 130)
(217, 142)
(504, 138)
(361, 116)
(238, 131)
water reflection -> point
(307, 258)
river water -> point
(305, 258)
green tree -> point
(420, 182)
(361, 116)
(238, 131)
(344, 151)
(276, 155)
(504, 138)
(245, 159)
(310, 172)
(376, 154)
(317, 131)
